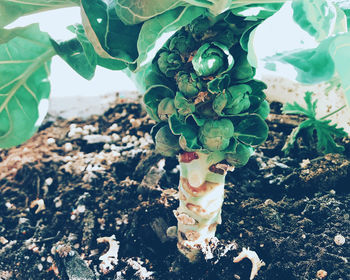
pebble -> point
(68, 147)
(40, 267)
(51, 141)
(321, 274)
(48, 181)
(106, 146)
(339, 240)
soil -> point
(63, 194)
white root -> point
(253, 257)
(110, 258)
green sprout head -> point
(166, 108)
(215, 135)
(169, 62)
(212, 59)
(182, 42)
(189, 84)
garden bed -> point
(287, 209)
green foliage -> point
(111, 38)
(10, 10)
(73, 53)
(219, 108)
(315, 16)
(24, 85)
(251, 130)
(324, 130)
(204, 71)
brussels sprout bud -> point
(166, 108)
(238, 99)
(182, 42)
(189, 84)
(212, 59)
(167, 144)
(199, 26)
(169, 63)
(215, 134)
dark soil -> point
(287, 209)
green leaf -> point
(312, 65)
(325, 137)
(251, 130)
(295, 108)
(291, 139)
(324, 130)
(183, 106)
(219, 103)
(153, 96)
(218, 84)
(171, 20)
(10, 10)
(188, 133)
(90, 53)
(24, 87)
(317, 17)
(240, 155)
(136, 11)
(111, 38)
(166, 142)
(73, 53)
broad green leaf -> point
(312, 65)
(111, 38)
(340, 52)
(10, 10)
(169, 21)
(90, 53)
(251, 130)
(24, 87)
(317, 17)
(239, 155)
(136, 11)
(73, 53)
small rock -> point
(321, 274)
(50, 141)
(339, 240)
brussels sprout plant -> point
(208, 115)
(199, 86)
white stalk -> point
(201, 194)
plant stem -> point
(201, 194)
(332, 113)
